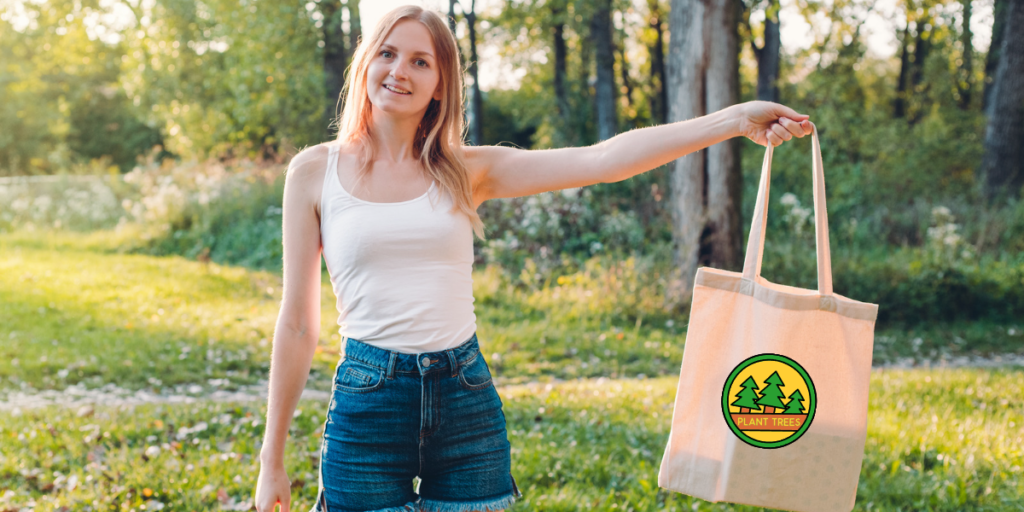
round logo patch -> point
(768, 401)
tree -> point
(768, 54)
(771, 394)
(966, 81)
(1002, 165)
(686, 63)
(992, 58)
(795, 404)
(723, 242)
(604, 97)
(659, 101)
(705, 185)
(335, 55)
(476, 127)
(747, 397)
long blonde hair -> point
(439, 134)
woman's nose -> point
(398, 70)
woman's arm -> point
(510, 172)
(298, 324)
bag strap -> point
(755, 242)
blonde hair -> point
(438, 138)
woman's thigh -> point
(370, 451)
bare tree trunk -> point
(624, 72)
(967, 62)
(922, 47)
(601, 36)
(659, 108)
(1003, 165)
(724, 176)
(335, 56)
(566, 130)
(899, 105)
(768, 55)
(992, 59)
(686, 64)
(476, 133)
(452, 25)
(355, 25)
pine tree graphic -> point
(795, 405)
(747, 397)
(771, 394)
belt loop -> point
(455, 362)
(391, 364)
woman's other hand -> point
(764, 121)
(272, 487)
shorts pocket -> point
(474, 374)
(356, 377)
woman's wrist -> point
(734, 115)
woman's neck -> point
(395, 136)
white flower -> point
(152, 451)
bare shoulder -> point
(305, 177)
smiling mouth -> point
(395, 89)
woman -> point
(392, 203)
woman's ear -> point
(438, 93)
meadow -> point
(588, 399)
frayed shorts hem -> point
(492, 505)
(408, 507)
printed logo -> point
(768, 401)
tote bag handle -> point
(755, 242)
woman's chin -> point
(393, 108)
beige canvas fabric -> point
(735, 316)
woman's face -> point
(403, 76)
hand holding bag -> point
(771, 408)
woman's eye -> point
(421, 62)
(386, 54)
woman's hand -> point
(764, 121)
(272, 487)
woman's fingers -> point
(772, 138)
(797, 129)
(781, 132)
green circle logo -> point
(769, 401)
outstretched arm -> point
(510, 172)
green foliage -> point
(795, 404)
(747, 397)
(770, 393)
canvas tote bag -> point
(772, 403)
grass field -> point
(75, 311)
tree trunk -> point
(659, 107)
(476, 133)
(624, 72)
(768, 55)
(724, 175)
(453, 25)
(967, 61)
(601, 36)
(335, 56)
(899, 105)
(686, 64)
(1003, 165)
(355, 25)
(566, 132)
(922, 47)
(992, 59)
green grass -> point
(75, 309)
(938, 440)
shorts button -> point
(425, 361)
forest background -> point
(143, 148)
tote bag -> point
(771, 408)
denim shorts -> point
(394, 416)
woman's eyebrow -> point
(386, 46)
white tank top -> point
(402, 272)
